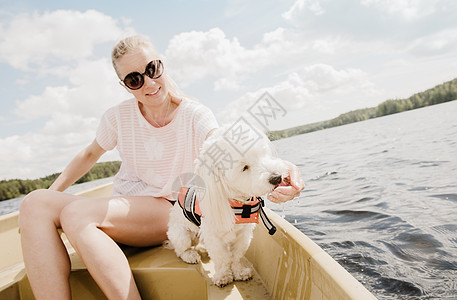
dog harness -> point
(244, 212)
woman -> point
(158, 134)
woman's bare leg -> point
(45, 256)
(136, 221)
(93, 226)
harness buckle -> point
(246, 211)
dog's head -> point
(240, 159)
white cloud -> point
(444, 41)
(301, 7)
(36, 106)
(34, 155)
(282, 44)
(60, 45)
(195, 55)
(322, 78)
(311, 91)
(31, 40)
(407, 9)
(24, 156)
(292, 97)
(72, 113)
(327, 45)
(72, 118)
(93, 88)
(226, 84)
(49, 149)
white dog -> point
(236, 163)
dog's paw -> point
(201, 249)
(242, 273)
(222, 279)
(190, 256)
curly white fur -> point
(239, 175)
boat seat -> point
(158, 273)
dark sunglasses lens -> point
(134, 81)
(154, 69)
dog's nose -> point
(275, 179)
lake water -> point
(381, 198)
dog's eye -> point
(246, 167)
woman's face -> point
(154, 92)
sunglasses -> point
(135, 80)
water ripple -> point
(348, 215)
(450, 197)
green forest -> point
(17, 187)
(441, 93)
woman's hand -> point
(284, 193)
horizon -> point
(317, 58)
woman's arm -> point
(79, 166)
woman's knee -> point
(31, 201)
(34, 205)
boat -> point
(288, 265)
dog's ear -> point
(214, 204)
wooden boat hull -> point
(288, 265)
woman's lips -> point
(153, 93)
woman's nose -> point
(148, 81)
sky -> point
(316, 58)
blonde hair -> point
(135, 42)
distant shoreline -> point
(442, 93)
(14, 188)
(12, 205)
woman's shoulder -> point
(193, 106)
(126, 104)
(198, 114)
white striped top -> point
(152, 158)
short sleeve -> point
(106, 135)
(204, 122)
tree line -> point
(439, 94)
(17, 187)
